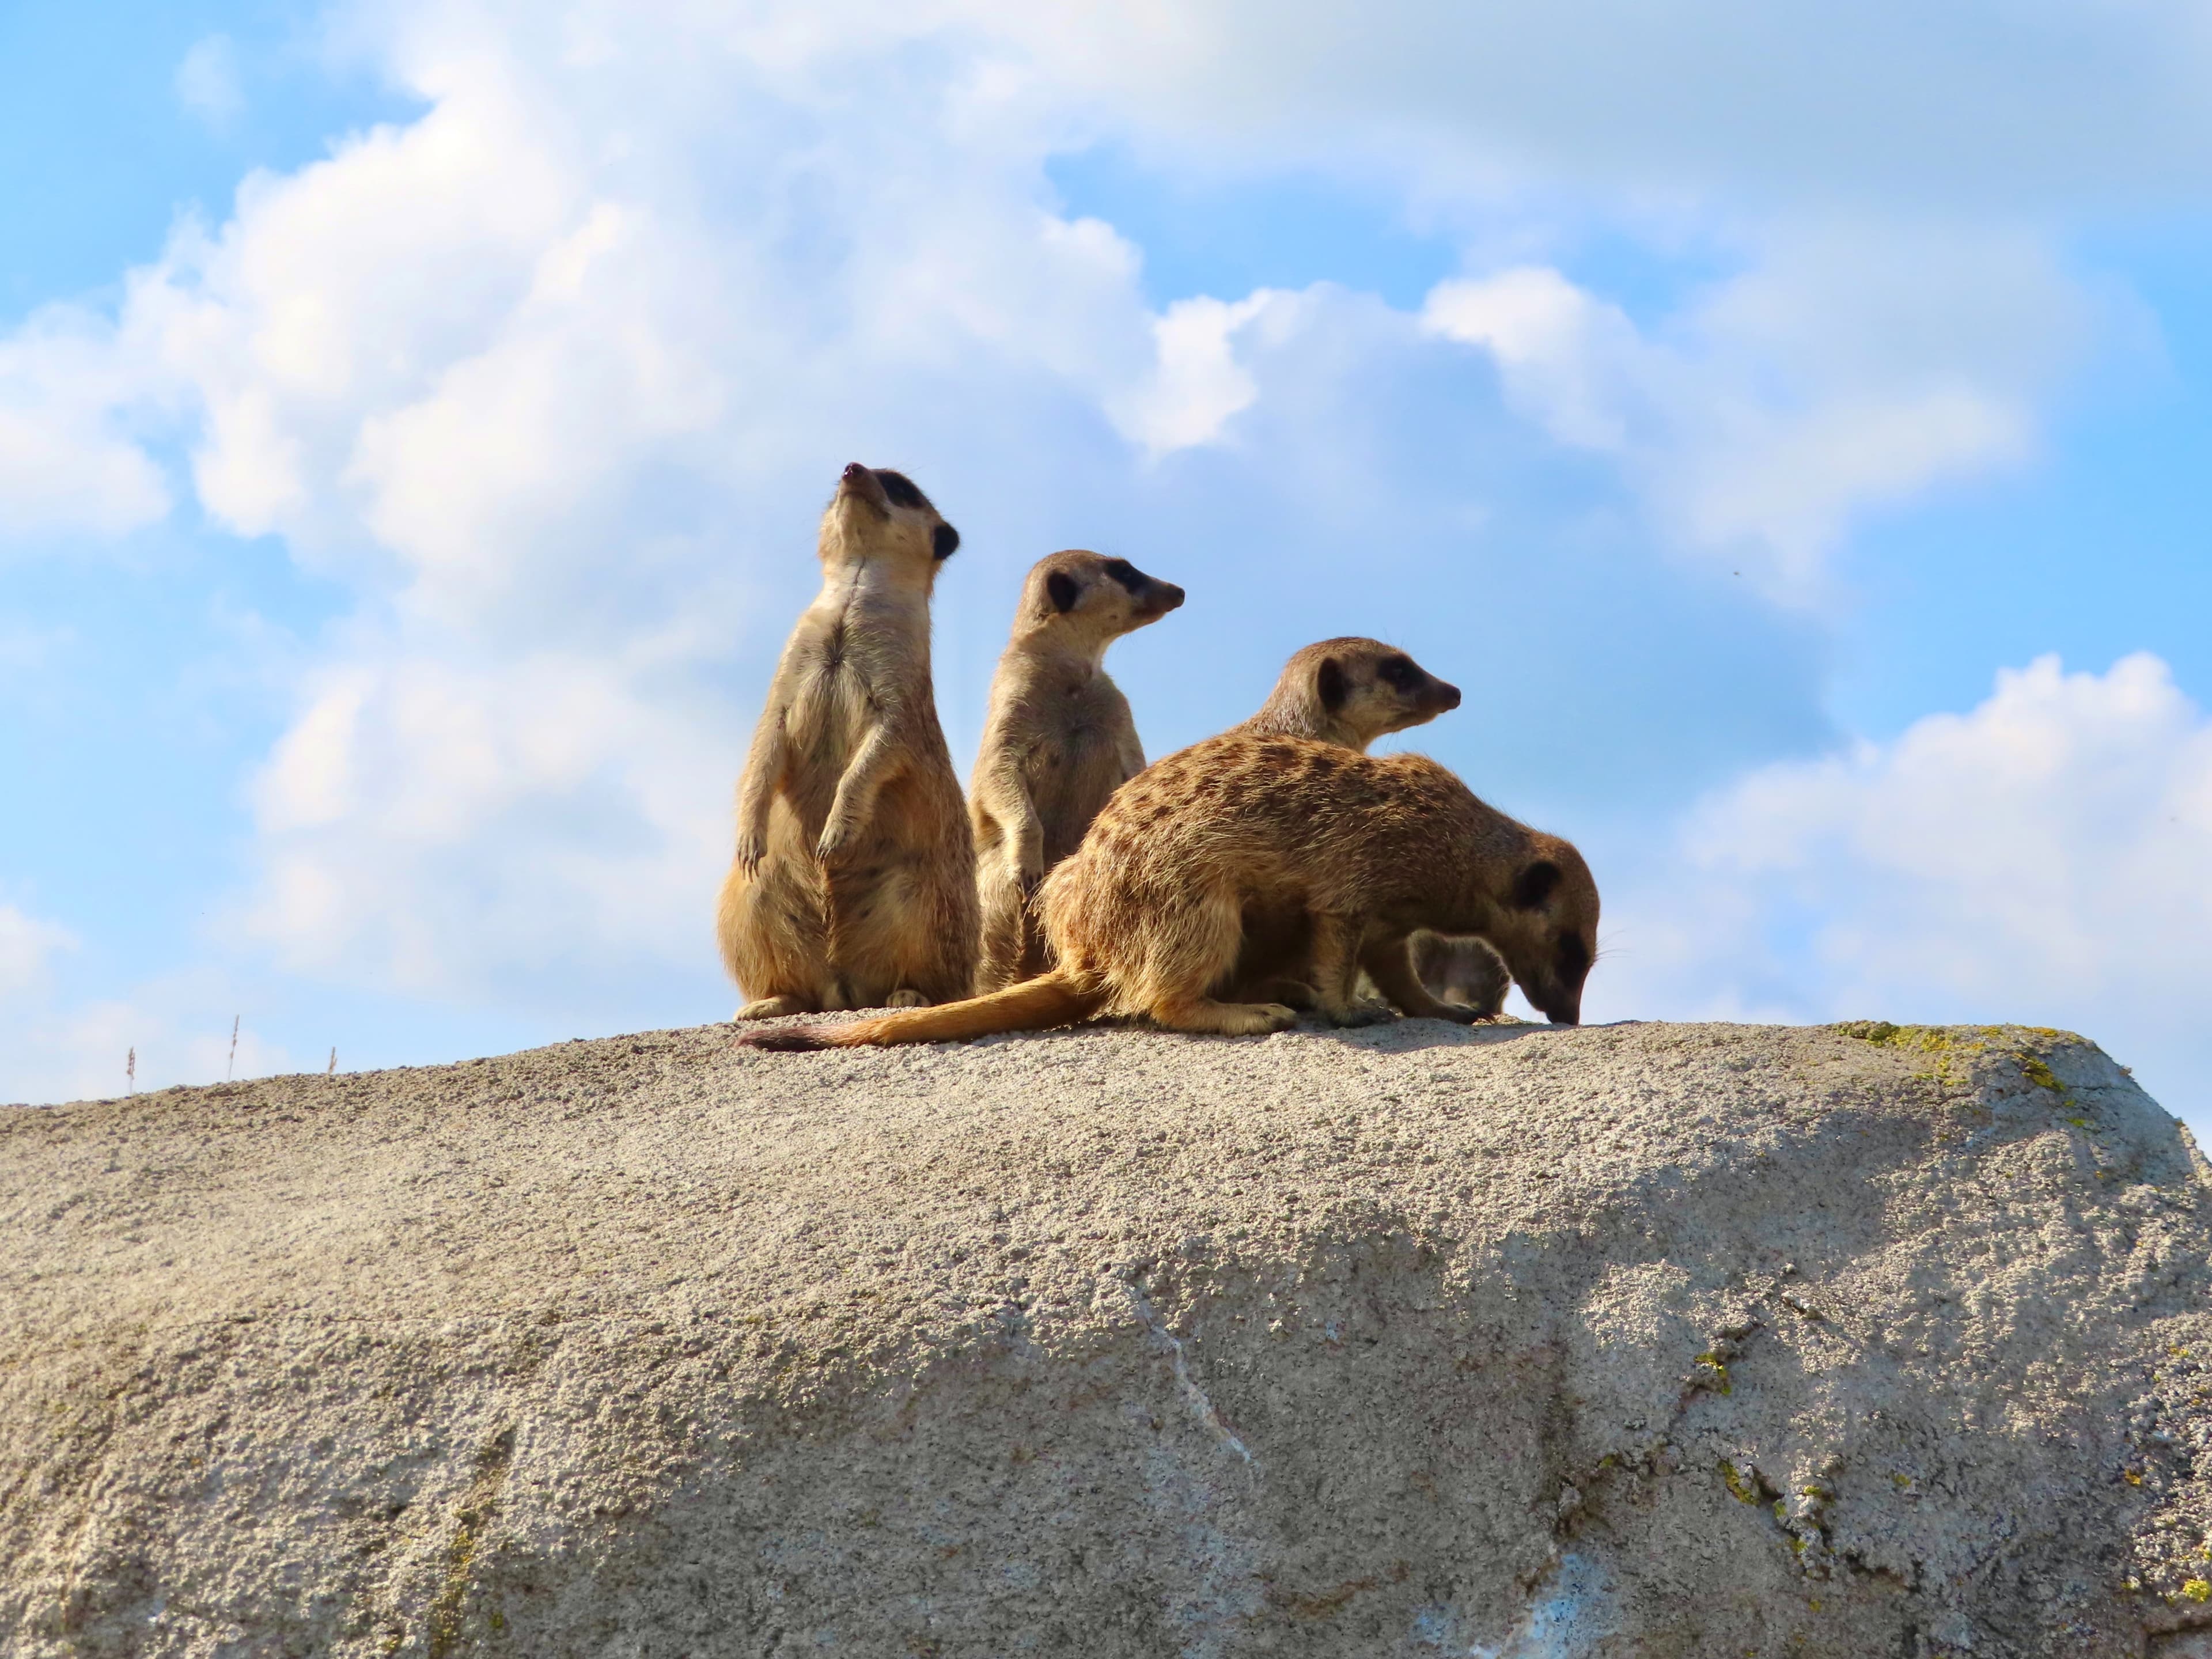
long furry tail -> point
(1032, 1005)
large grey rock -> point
(1646, 1340)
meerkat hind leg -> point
(1204, 1014)
(776, 1008)
(1336, 974)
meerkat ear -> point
(1064, 592)
(946, 541)
(1534, 884)
(1328, 684)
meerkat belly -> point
(1070, 782)
(824, 725)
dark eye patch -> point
(945, 540)
(1124, 573)
(1534, 884)
(1399, 671)
(901, 490)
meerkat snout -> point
(1120, 596)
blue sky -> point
(1793, 430)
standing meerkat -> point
(1147, 917)
(1352, 691)
(1058, 740)
(853, 885)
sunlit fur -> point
(1058, 740)
(1147, 918)
(1366, 704)
(854, 881)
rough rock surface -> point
(1643, 1339)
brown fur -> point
(1147, 917)
(854, 883)
(1058, 740)
(1348, 691)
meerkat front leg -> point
(1390, 963)
(764, 769)
(1335, 966)
(871, 766)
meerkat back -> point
(1059, 741)
(852, 881)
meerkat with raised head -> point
(1058, 740)
(1352, 691)
(1147, 917)
(854, 885)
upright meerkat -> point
(1058, 740)
(1147, 917)
(1352, 691)
(853, 885)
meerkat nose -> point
(1447, 693)
(853, 470)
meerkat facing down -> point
(853, 885)
(1147, 917)
(1060, 739)
(1352, 691)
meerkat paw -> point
(1225, 1018)
(1363, 1011)
(906, 997)
(774, 1008)
(1458, 1012)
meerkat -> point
(853, 885)
(1060, 739)
(1352, 691)
(1465, 971)
(1147, 917)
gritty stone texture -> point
(1644, 1339)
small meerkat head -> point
(1092, 599)
(1359, 689)
(878, 515)
(1547, 928)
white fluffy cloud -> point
(1845, 370)
(68, 460)
(2043, 859)
(2069, 106)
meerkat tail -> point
(1033, 1005)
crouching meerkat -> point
(1352, 691)
(1147, 917)
(1058, 740)
(853, 885)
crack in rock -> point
(1192, 1395)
